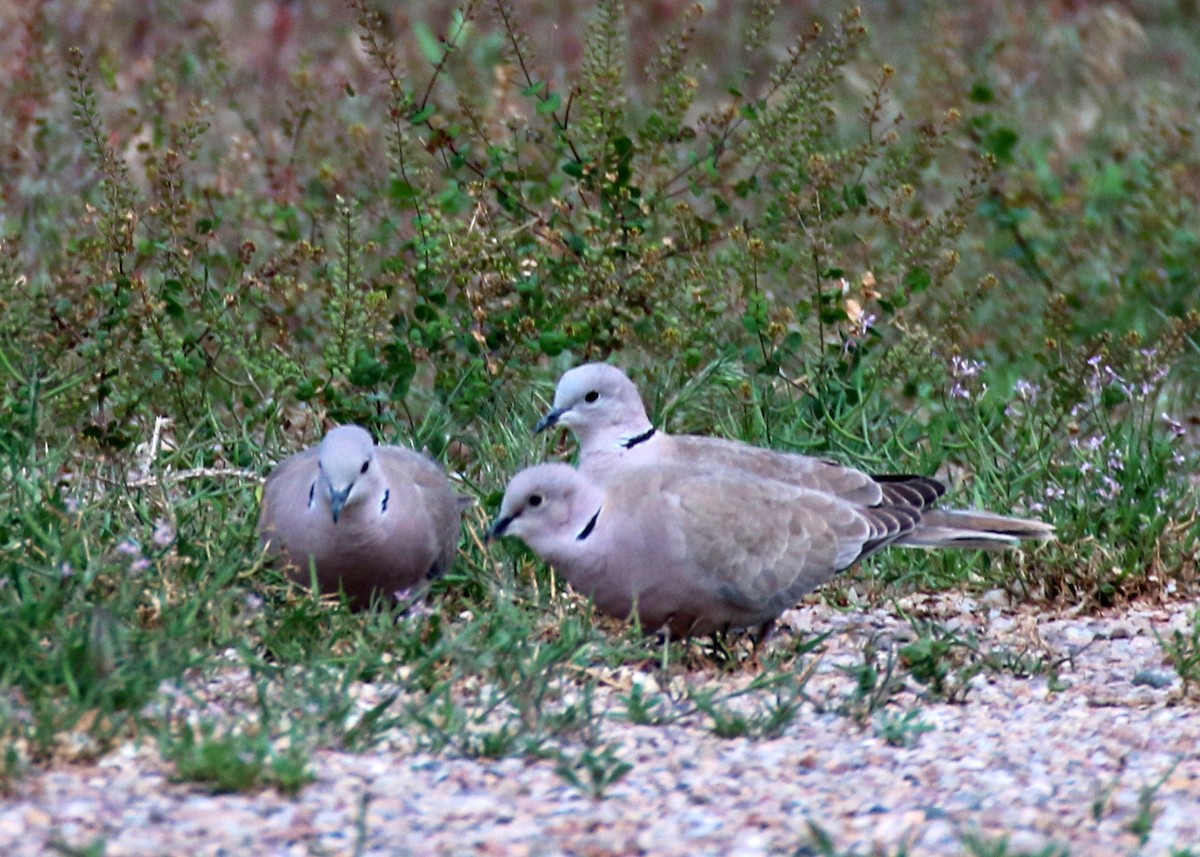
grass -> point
(234, 762)
(1182, 650)
(875, 249)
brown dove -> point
(372, 521)
(602, 407)
(693, 551)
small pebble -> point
(1014, 762)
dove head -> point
(347, 467)
(599, 403)
(546, 504)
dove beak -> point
(549, 420)
(498, 529)
(337, 501)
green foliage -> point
(876, 683)
(593, 771)
(234, 762)
(979, 845)
(820, 842)
(768, 717)
(901, 730)
(91, 608)
(96, 848)
(1183, 652)
(932, 661)
(511, 225)
(1143, 823)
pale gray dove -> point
(374, 521)
(692, 550)
(602, 407)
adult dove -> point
(695, 551)
(602, 407)
(372, 521)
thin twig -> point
(174, 476)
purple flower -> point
(961, 370)
(963, 367)
(1173, 425)
(1110, 487)
(164, 534)
(1027, 390)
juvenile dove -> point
(696, 551)
(372, 520)
(602, 407)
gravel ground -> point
(1019, 758)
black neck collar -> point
(591, 525)
(641, 438)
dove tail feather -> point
(953, 528)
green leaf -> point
(453, 200)
(917, 280)
(422, 115)
(172, 296)
(855, 196)
(1000, 143)
(552, 343)
(747, 186)
(367, 369)
(402, 192)
(430, 44)
(756, 319)
(981, 93)
(549, 104)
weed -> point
(643, 709)
(1183, 651)
(901, 730)
(979, 845)
(95, 848)
(768, 715)
(875, 685)
(234, 761)
(1143, 822)
(592, 770)
(821, 844)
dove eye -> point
(591, 396)
(535, 499)
(366, 464)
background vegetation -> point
(927, 237)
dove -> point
(692, 551)
(599, 403)
(372, 521)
